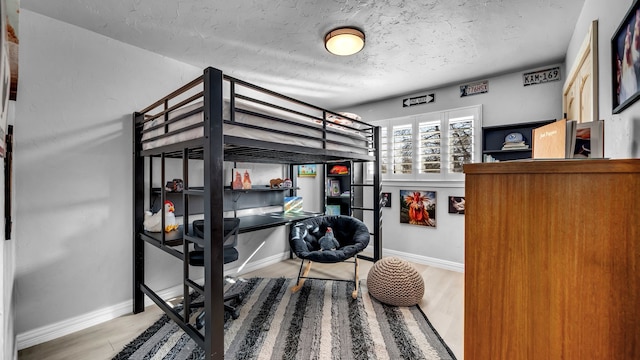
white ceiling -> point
(410, 45)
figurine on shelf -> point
(176, 185)
(287, 183)
(153, 222)
(237, 182)
(275, 183)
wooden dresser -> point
(552, 260)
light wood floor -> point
(443, 303)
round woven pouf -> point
(396, 282)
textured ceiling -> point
(410, 45)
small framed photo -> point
(385, 199)
(334, 187)
(456, 205)
(625, 61)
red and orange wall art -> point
(418, 207)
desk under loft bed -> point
(216, 118)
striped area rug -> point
(321, 321)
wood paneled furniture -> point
(552, 260)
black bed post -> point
(213, 215)
(377, 188)
(138, 216)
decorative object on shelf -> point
(495, 145)
(456, 205)
(418, 207)
(175, 185)
(287, 183)
(396, 282)
(153, 222)
(276, 183)
(307, 170)
(385, 200)
(334, 187)
(241, 179)
(625, 60)
(339, 170)
(292, 204)
(513, 141)
(589, 142)
(555, 140)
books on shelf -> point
(292, 204)
(589, 140)
(517, 145)
(551, 141)
(568, 139)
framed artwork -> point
(334, 187)
(625, 60)
(333, 210)
(456, 205)
(418, 207)
(5, 75)
(385, 199)
(589, 140)
(307, 170)
(580, 90)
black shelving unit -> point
(338, 188)
(493, 139)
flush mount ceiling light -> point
(344, 41)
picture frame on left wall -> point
(5, 77)
(625, 60)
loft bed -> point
(217, 118)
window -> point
(429, 146)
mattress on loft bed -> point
(350, 138)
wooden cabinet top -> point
(555, 166)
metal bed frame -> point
(213, 149)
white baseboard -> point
(81, 322)
(425, 260)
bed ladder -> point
(358, 186)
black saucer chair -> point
(230, 254)
(351, 233)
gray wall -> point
(74, 173)
(7, 263)
(73, 169)
(507, 101)
(622, 131)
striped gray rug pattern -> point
(321, 321)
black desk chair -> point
(230, 254)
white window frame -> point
(444, 118)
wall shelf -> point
(493, 139)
